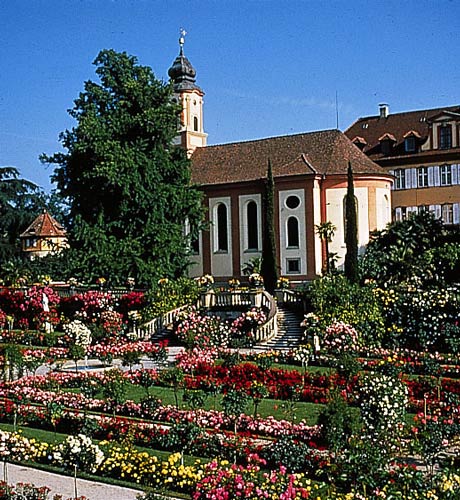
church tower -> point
(190, 96)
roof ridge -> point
(248, 141)
(414, 111)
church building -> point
(310, 176)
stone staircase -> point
(289, 332)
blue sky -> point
(267, 67)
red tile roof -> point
(325, 152)
(44, 226)
(371, 128)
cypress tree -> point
(268, 266)
(351, 231)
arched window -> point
(195, 123)
(222, 232)
(252, 226)
(345, 218)
(293, 232)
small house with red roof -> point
(43, 237)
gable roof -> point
(44, 226)
(324, 152)
(371, 128)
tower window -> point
(222, 232)
(252, 226)
(195, 123)
(293, 232)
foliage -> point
(418, 246)
(268, 265)
(126, 183)
(168, 295)
(326, 231)
(338, 423)
(421, 316)
(382, 400)
(351, 230)
(334, 298)
(252, 266)
(79, 451)
(20, 202)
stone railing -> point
(288, 297)
(270, 328)
(154, 326)
(238, 299)
(245, 299)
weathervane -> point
(182, 33)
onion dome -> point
(182, 73)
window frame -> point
(422, 175)
(400, 178)
(445, 175)
(289, 235)
(292, 260)
(445, 137)
(221, 228)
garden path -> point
(64, 485)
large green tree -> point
(126, 183)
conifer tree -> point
(268, 265)
(351, 230)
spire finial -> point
(182, 34)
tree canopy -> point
(20, 202)
(126, 184)
(418, 247)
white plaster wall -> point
(221, 263)
(316, 222)
(284, 214)
(245, 254)
(383, 207)
(196, 260)
(334, 213)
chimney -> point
(384, 110)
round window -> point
(292, 201)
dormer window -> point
(411, 141)
(359, 142)
(409, 144)
(386, 143)
(445, 137)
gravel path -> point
(64, 485)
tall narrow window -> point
(252, 225)
(400, 181)
(446, 175)
(195, 123)
(222, 232)
(293, 232)
(448, 213)
(445, 137)
(422, 177)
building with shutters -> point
(422, 150)
(310, 174)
